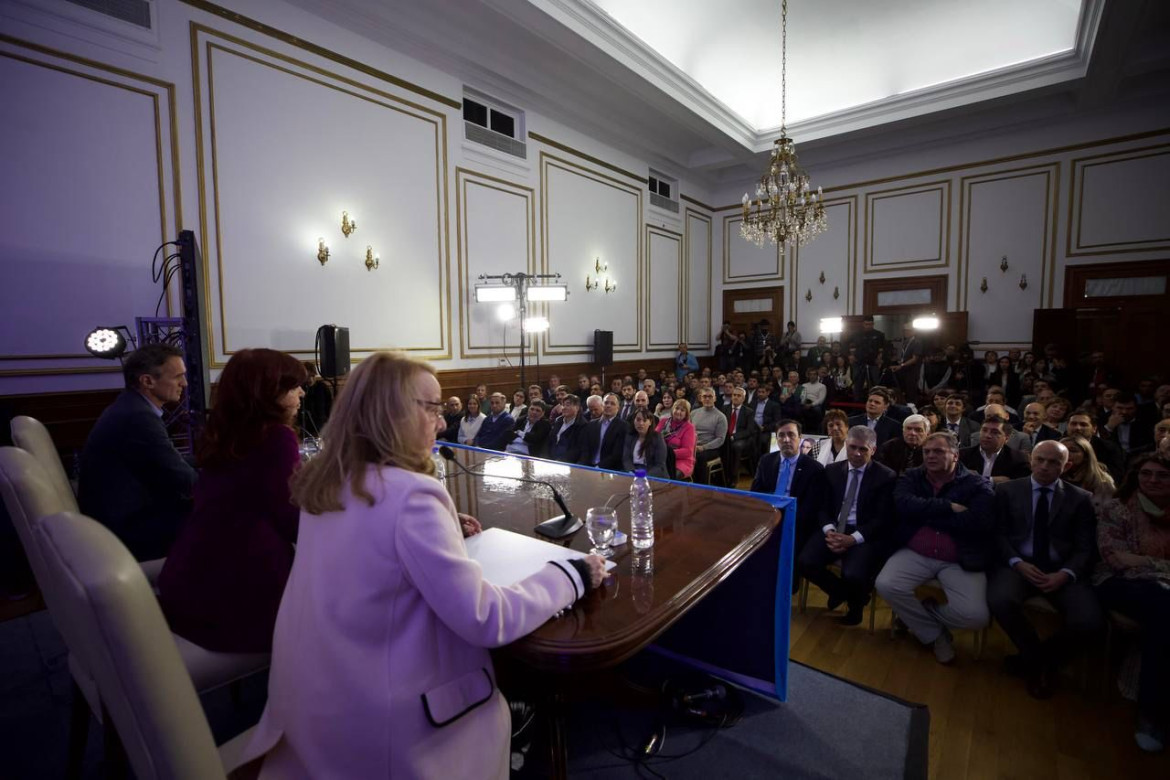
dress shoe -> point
(834, 602)
(853, 616)
(944, 648)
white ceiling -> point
(691, 86)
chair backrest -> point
(29, 494)
(109, 616)
(33, 437)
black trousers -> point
(701, 474)
(736, 452)
(1007, 590)
(1148, 603)
(859, 568)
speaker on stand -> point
(603, 351)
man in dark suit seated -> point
(452, 415)
(766, 413)
(133, 480)
(855, 520)
(1109, 455)
(564, 441)
(742, 434)
(992, 458)
(496, 430)
(905, 452)
(604, 438)
(877, 403)
(1045, 543)
(530, 434)
(1034, 427)
(1131, 426)
(955, 421)
(787, 472)
(944, 531)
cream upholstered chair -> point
(33, 437)
(30, 496)
(111, 620)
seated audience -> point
(833, 449)
(1127, 425)
(644, 446)
(1034, 427)
(767, 414)
(565, 438)
(453, 416)
(877, 403)
(992, 458)
(1133, 535)
(787, 472)
(665, 406)
(519, 408)
(1109, 455)
(710, 433)
(583, 390)
(944, 532)
(472, 420)
(495, 431)
(317, 402)
(995, 397)
(679, 434)
(133, 480)
(650, 388)
(1056, 414)
(933, 419)
(954, 421)
(1017, 439)
(1044, 547)
(905, 453)
(223, 579)
(594, 408)
(855, 519)
(385, 620)
(550, 392)
(604, 438)
(1085, 472)
(530, 435)
(626, 404)
(742, 435)
(813, 394)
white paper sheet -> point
(507, 557)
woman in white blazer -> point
(472, 419)
(380, 664)
(833, 448)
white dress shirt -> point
(1026, 546)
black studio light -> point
(106, 343)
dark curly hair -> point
(1129, 485)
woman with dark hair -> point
(223, 579)
(472, 420)
(645, 448)
(1133, 534)
(1006, 377)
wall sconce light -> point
(983, 285)
(372, 261)
(1023, 281)
(322, 252)
(347, 224)
(610, 286)
(808, 296)
(594, 282)
(822, 277)
(836, 293)
(599, 266)
(1003, 264)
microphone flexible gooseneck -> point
(554, 528)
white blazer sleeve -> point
(431, 549)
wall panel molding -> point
(661, 296)
(932, 257)
(738, 249)
(698, 278)
(1123, 187)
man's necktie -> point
(953, 426)
(847, 504)
(734, 417)
(782, 482)
(1040, 554)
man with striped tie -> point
(955, 421)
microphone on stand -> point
(554, 528)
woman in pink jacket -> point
(679, 433)
(380, 664)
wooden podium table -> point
(700, 537)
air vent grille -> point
(481, 135)
(136, 12)
(666, 204)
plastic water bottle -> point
(440, 464)
(641, 512)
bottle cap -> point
(639, 473)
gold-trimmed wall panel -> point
(1154, 174)
(872, 198)
(661, 285)
(690, 281)
(731, 224)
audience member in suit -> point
(1133, 536)
(944, 531)
(133, 480)
(471, 422)
(905, 452)
(996, 398)
(954, 421)
(833, 449)
(519, 408)
(679, 434)
(1006, 378)
(766, 413)
(223, 579)
(452, 416)
(786, 472)
(604, 438)
(856, 519)
(550, 393)
(908, 371)
(992, 458)
(877, 403)
(385, 620)
(742, 434)
(644, 446)
(1034, 427)
(594, 408)
(495, 431)
(583, 390)
(1109, 455)
(653, 397)
(567, 433)
(626, 404)
(1131, 426)
(710, 433)
(530, 435)
(1045, 545)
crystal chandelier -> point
(785, 209)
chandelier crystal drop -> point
(784, 208)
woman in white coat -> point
(833, 448)
(380, 664)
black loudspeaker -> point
(603, 347)
(333, 349)
(194, 325)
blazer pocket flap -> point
(452, 700)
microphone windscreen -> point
(447, 452)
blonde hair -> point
(365, 428)
(683, 404)
(1090, 475)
